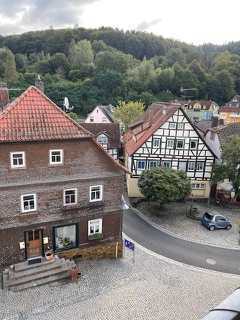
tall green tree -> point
(164, 185)
(80, 53)
(127, 112)
(8, 65)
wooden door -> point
(34, 243)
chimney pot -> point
(39, 83)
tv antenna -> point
(66, 105)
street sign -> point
(129, 244)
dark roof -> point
(225, 132)
(206, 103)
(107, 110)
(34, 117)
(111, 130)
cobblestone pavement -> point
(150, 289)
(172, 218)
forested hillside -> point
(107, 65)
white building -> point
(100, 114)
(166, 137)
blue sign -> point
(128, 244)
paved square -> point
(149, 289)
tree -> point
(164, 185)
(80, 53)
(7, 59)
(74, 116)
(127, 112)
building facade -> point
(201, 110)
(229, 115)
(166, 137)
(107, 135)
(100, 114)
(59, 189)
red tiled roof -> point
(156, 115)
(34, 117)
(229, 109)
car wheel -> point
(229, 227)
(211, 228)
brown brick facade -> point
(84, 165)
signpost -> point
(130, 245)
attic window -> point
(102, 139)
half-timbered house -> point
(166, 137)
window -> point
(91, 118)
(179, 144)
(193, 144)
(102, 139)
(172, 125)
(17, 159)
(28, 202)
(95, 193)
(141, 164)
(94, 227)
(198, 186)
(180, 126)
(166, 164)
(56, 156)
(65, 237)
(154, 164)
(182, 166)
(156, 142)
(170, 144)
(191, 166)
(70, 196)
(200, 166)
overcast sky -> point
(193, 21)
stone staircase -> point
(24, 276)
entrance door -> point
(33, 243)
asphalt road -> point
(204, 256)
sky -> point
(192, 21)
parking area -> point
(172, 218)
(149, 288)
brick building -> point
(58, 188)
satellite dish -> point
(66, 105)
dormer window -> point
(17, 160)
(56, 157)
(102, 139)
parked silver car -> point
(215, 221)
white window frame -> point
(104, 136)
(154, 139)
(192, 169)
(202, 163)
(34, 199)
(170, 140)
(50, 156)
(168, 162)
(13, 166)
(101, 193)
(180, 124)
(177, 143)
(95, 222)
(173, 124)
(141, 160)
(64, 196)
(193, 140)
(198, 186)
(157, 162)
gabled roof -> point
(112, 131)
(107, 110)
(155, 116)
(34, 117)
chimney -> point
(4, 96)
(39, 83)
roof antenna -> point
(66, 105)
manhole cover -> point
(211, 261)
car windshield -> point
(208, 216)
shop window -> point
(65, 237)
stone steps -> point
(24, 276)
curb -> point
(181, 264)
(162, 229)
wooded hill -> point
(103, 66)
